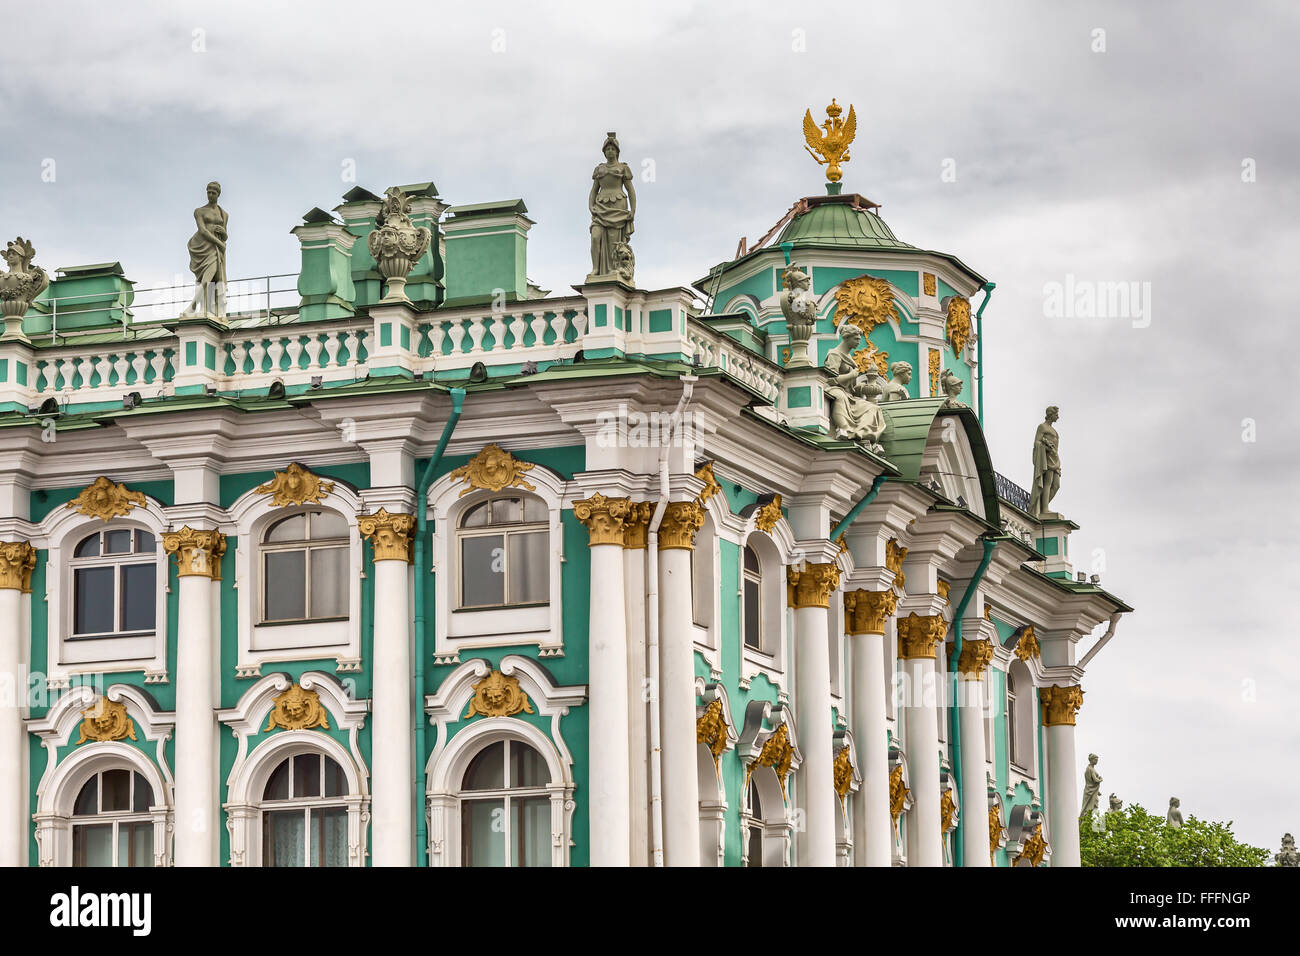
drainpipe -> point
(1110, 632)
(859, 507)
(421, 529)
(953, 722)
(979, 344)
(652, 638)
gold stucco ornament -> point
(996, 829)
(497, 695)
(871, 358)
(105, 500)
(603, 518)
(811, 585)
(934, 372)
(947, 812)
(895, 554)
(768, 515)
(711, 486)
(711, 730)
(391, 534)
(297, 709)
(681, 521)
(1027, 646)
(1033, 849)
(974, 657)
(898, 793)
(295, 485)
(1060, 704)
(198, 552)
(493, 469)
(777, 753)
(829, 143)
(958, 323)
(843, 770)
(866, 302)
(918, 635)
(17, 561)
(105, 720)
(865, 611)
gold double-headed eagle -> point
(829, 143)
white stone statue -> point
(1116, 804)
(1287, 856)
(799, 306)
(1175, 816)
(951, 386)
(896, 389)
(1091, 787)
(855, 415)
(612, 202)
(1047, 466)
(19, 286)
(207, 249)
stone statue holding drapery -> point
(612, 202)
(207, 249)
(1047, 466)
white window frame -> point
(304, 804)
(60, 533)
(305, 545)
(772, 550)
(504, 794)
(462, 629)
(112, 818)
(504, 531)
(260, 643)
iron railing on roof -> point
(1011, 492)
(255, 298)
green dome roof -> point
(841, 221)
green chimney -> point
(487, 250)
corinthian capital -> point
(681, 520)
(198, 553)
(812, 584)
(865, 612)
(1060, 704)
(974, 657)
(391, 534)
(17, 561)
(603, 517)
(917, 636)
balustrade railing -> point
(714, 350)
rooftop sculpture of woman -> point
(612, 202)
(856, 416)
(208, 257)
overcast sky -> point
(1129, 163)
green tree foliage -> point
(1133, 837)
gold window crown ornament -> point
(768, 515)
(895, 554)
(105, 720)
(711, 730)
(297, 709)
(711, 486)
(106, 500)
(777, 753)
(843, 771)
(865, 302)
(1033, 849)
(829, 143)
(959, 327)
(1027, 646)
(497, 695)
(295, 485)
(493, 469)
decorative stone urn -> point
(19, 286)
(799, 306)
(396, 244)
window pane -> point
(487, 769)
(483, 839)
(290, 529)
(530, 831)
(283, 843)
(753, 636)
(329, 843)
(144, 542)
(277, 785)
(529, 575)
(139, 598)
(124, 844)
(336, 784)
(329, 582)
(88, 799)
(88, 548)
(306, 775)
(141, 843)
(117, 542)
(93, 846)
(535, 510)
(477, 517)
(751, 559)
(117, 791)
(506, 511)
(286, 585)
(141, 795)
(527, 768)
(328, 524)
(482, 571)
(93, 611)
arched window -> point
(503, 544)
(305, 568)
(754, 828)
(1020, 717)
(304, 815)
(111, 824)
(505, 808)
(114, 591)
(753, 579)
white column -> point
(16, 561)
(816, 844)
(681, 784)
(917, 639)
(197, 834)
(865, 613)
(609, 777)
(392, 707)
(634, 588)
(1059, 706)
(974, 825)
